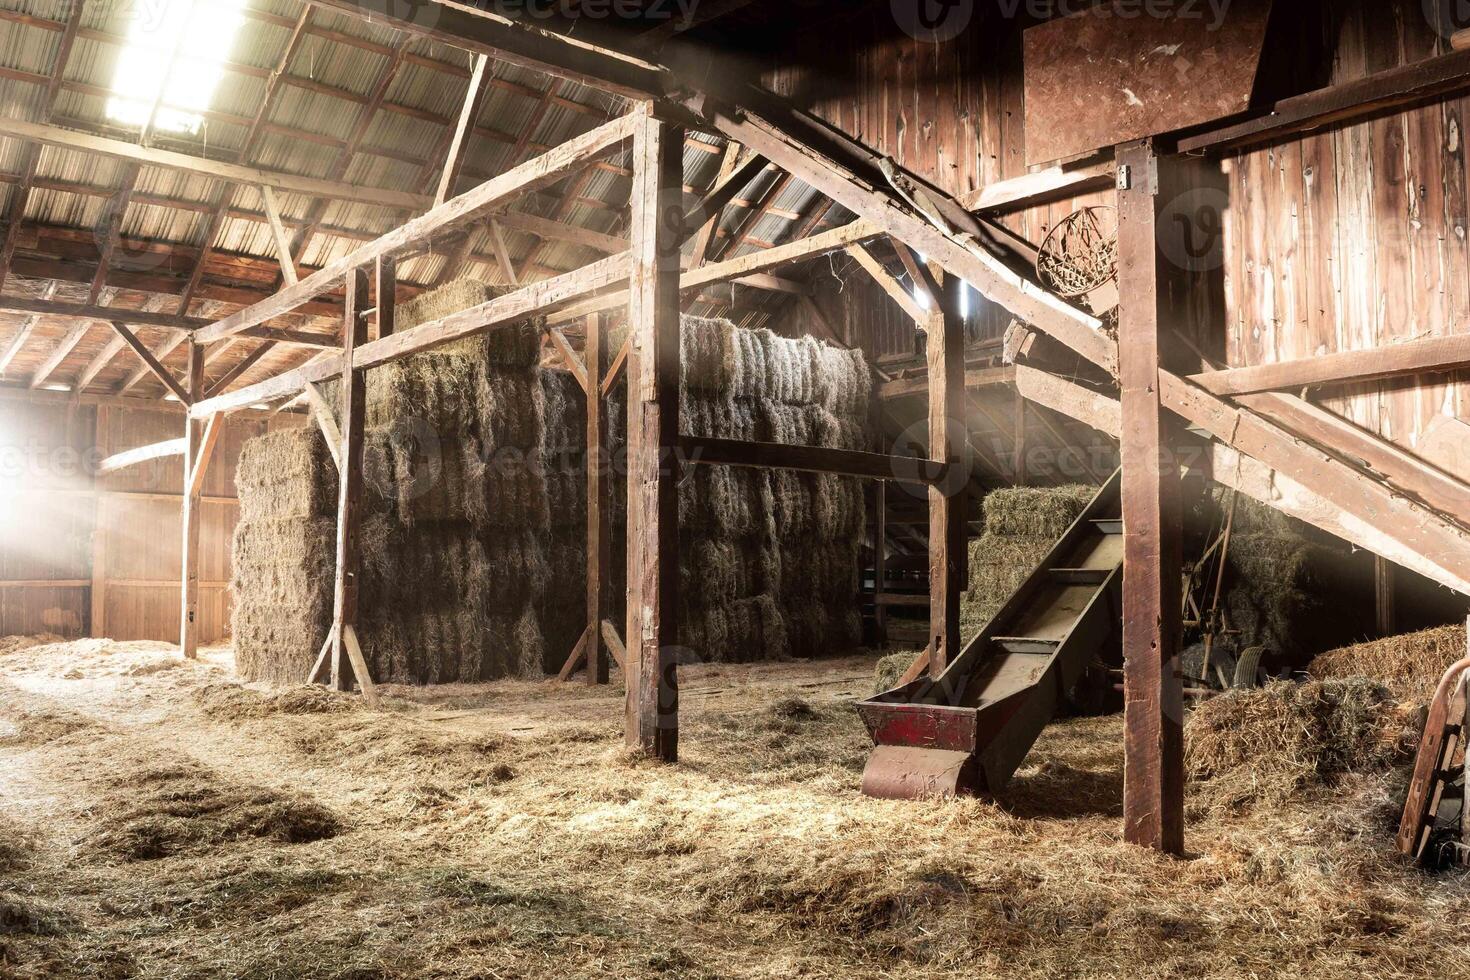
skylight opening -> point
(172, 62)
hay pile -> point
(1266, 744)
(285, 554)
(1410, 665)
(1022, 524)
(768, 563)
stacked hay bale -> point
(769, 559)
(284, 554)
(454, 562)
(1021, 525)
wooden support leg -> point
(599, 549)
(1153, 775)
(880, 562)
(948, 556)
(1384, 582)
(189, 556)
(351, 421)
(653, 428)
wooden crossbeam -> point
(460, 140)
(200, 466)
(278, 235)
(144, 370)
(238, 370)
(535, 173)
(700, 450)
(63, 349)
(154, 366)
(570, 358)
(975, 379)
(890, 285)
(142, 454)
(326, 421)
(18, 342)
(1430, 355)
(1347, 102)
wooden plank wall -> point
(1345, 240)
(109, 543)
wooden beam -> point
(326, 421)
(890, 285)
(132, 457)
(93, 311)
(701, 450)
(460, 141)
(352, 416)
(496, 35)
(237, 173)
(1430, 355)
(575, 658)
(359, 665)
(278, 235)
(535, 173)
(948, 554)
(975, 380)
(185, 395)
(569, 357)
(1153, 774)
(599, 507)
(615, 645)
(385, 294)
(62, 350)
(99, 363)
(615, 369)
(18, 342)
(239, 369)
(756, 262)
(1375, 95)
(1041, 187)
(723, 179)
(191, 519)
(653, 430)
(502, 253)
(199, 468)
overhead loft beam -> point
(91, 311)
(1430, 355)
(504, 40)
(975, 380)
(534, 173)
(236, 173)
(707, 451)
(143, 370)
(1379, 93)
(1042, 187)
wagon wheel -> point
(1248, 668)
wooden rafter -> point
(185, 395)
(460, 141)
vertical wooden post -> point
(1152, 300)
(653, 426)
(97, 624)
(599, 528)
(945, 349)
(189, 553)
(387, 294)
(352, 416)
(1384, 582)
(880, 562)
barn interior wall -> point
(1348, 239)
(89, 555)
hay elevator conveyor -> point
(968, 730)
